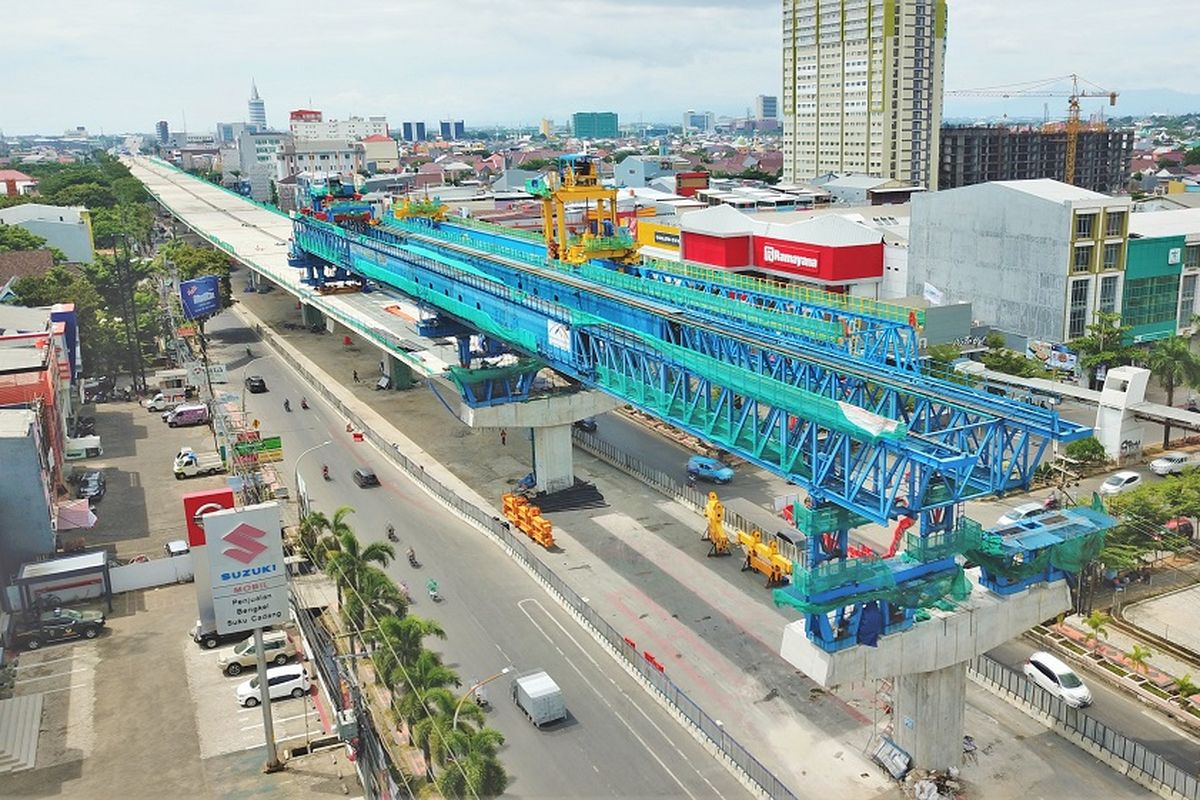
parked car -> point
(191, 414)
(209, 639)
(1174, 462)
(58, 625)
(709, 469)
(288, 681)
(365, 476)
(256, 384)
(91, 486)
(1120, 482)
(586, 424)
(1058, 679)
(1021, 513)
(277, 648)
(1181, 526)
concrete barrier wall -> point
(155, 572)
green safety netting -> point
(933, 546)
(989, 551)
(937, 591)
(463, 376)
(828, 518)
(597, 243)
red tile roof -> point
(13, 175)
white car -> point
(1120, 482)
(1058, 679)
(1173, 463)
(1021, 513)
(289, 681)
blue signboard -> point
(200, 296)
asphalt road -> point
(616, 741)
(1120, 712)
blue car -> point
(709, 469)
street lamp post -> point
(296, 469)
(470, 691)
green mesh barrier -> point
(464, 376)
(825, 519)
(934, 546)
(832, 574)
(1071, 556)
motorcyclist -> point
(391, 532)
(287, 404)
(325, 471)
(412, 556)
(431, 586)
(1053, 501)
(304, 402)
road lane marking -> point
(278, 721)
(65, 688)
(645, 745)
(32, 664)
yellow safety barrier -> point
(528, 519)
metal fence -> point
(688, 709)
(1153, 766)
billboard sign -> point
(200, 296)
(785, 256)
(246, 571)
(1054, 356)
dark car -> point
(91, 486)
(85, 426)
(60, 624)
(255, 384)
(586, 424)
(365, 476)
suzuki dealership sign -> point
(246, 572)
(200, 296)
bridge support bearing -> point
(929, 709)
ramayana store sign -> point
(784, 256)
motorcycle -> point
(1053, 503)
(287, 406)
(304, 403)
(412, 559)
(325, 472)
(480, 696)
(432, 588)
(391, 534)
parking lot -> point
(65, 676)
(224, 726)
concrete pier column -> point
(310, 316)
(401, 374)
(552, 462)
(928, 716)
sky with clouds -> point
(121, 65)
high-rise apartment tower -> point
(258, 109)
(862, 88)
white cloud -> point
(123, 64)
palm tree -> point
(477, 771)
(1186, 689)
(1138, 657)
(336, 527)
(1096, 622)
(1174, 364)
(416, 681)
(313, 526)
(377, 597)
(434, 732)
(349, 560)
(400, 642)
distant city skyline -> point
(506, 66)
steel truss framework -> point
(778, 403)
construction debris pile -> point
(934, 785)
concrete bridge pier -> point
(310, 315)
(399, 373)
(928, 715)
(550, 418)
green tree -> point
(1185, 689)
(313, 526)
(943, 356)
(15, 239)
(1191, 157)
(350, 561)
(1087, 451)
(1096, 622)
(413, 681)
(194, 262)
(1139, 657)
(88, 195)
(98, 334)
(433, 732)
(377, 598)
(476, 771)
(334, 528)
(1104, 345)
(400, 643)
(1171, 361)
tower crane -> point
(1045, 88)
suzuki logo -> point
(246, 546)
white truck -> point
(189, 464)
(166, 400)
(539, 697)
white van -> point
(193, 414)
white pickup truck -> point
(1174, 462)
(165, 401)
(189, 464)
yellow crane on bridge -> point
(1046, 88)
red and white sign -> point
(246, 570)
(786, 256)
(197, 504)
